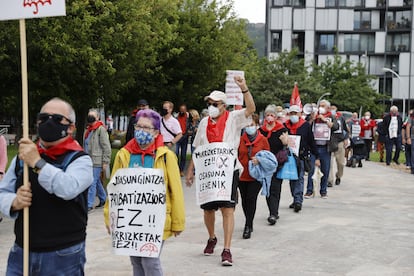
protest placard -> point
(137, 211)
(18, 9)
(321, 131)
(214, 167)
(294, 143)
(233, 91)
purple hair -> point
(150, 114)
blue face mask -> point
(333, 112)
(142, 137)
(294, 119)
(251, 130)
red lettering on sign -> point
(35, 3)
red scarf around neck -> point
(247, 141)
(215, 131)
(293, 128)
(53, 152)
(327, 115)
(276, 127)
(91, 128)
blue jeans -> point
(64, 262)
(296, 186)
(325, 159)
(389, 143)
(181, 151)
(96, 188)
(309, 187)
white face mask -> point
(322, 110)
(213, 111)
(367, 117)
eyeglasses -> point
(214, 104)
(43, 117)
(146, 128)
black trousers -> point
(249, 191)
(274, 198)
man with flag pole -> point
(301, 130)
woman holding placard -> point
(147, 150)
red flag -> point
(295, 98)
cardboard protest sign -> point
(233, 91)
(294, 143)
(137, 211)
(214, 167)
(18, 9)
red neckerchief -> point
(247, 141)
(53, 152)
(338, 115)
(91, 128)
(215, 131)
(275, 128)
(133, 148)
(327, 115)
(294, 127)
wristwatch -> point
(39, 165)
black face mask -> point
(91, 119)
(50, 130)
(164, 112)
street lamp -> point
(399, 85)
(321, 97)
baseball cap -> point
(295, 108)
(216, 96)
(142, 102)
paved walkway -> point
(365, 227)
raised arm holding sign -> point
(217, 141)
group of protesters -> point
(287, 144)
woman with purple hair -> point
(147, 150)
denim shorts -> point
(69, 261)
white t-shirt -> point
(173, 125)
(235, 123)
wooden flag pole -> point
(25, 108)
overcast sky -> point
(253, 10)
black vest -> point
(54, 223)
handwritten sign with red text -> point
(19, 9)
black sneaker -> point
(298, 207)
(226, 258)
(330, 184)
(291, 206)
(337, 181)
(272, 219)
(211, 243)
(101, 204)
(247, 232)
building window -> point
(299, 3)
(330, 3)
(326, 42)
(398, 43)
(295, 3)
(399, 20)
(276, 42)
(408, 2)
(359, 43)
(342, 3)
(362, 20)
(380, 3)
(359, 3)
(298, 41)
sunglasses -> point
(43, 117)
(214, 104)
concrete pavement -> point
(365, 227)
